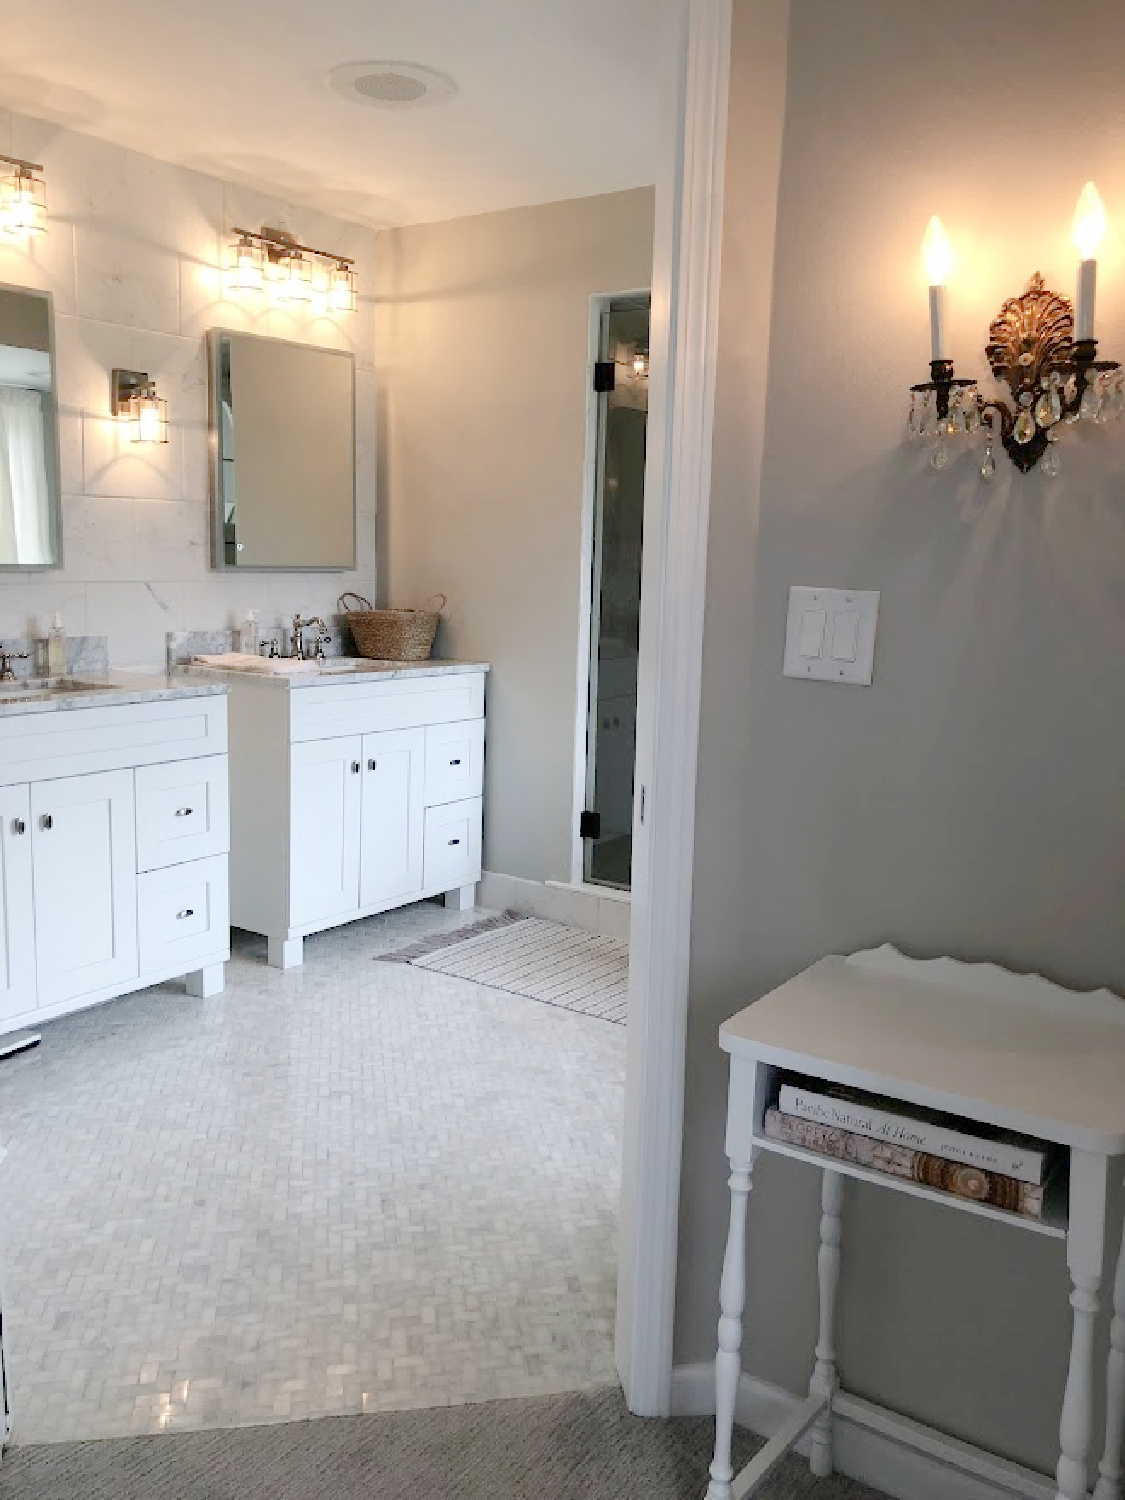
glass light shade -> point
(640, 365)
(341, 288)
(938, 253)
(23, 204)
(1088, 229)
(246, 274)
(296, 281)
(148, 414)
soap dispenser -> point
(56, 648)
(249, 637)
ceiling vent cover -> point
(391, 85)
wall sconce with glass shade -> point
(135, 401)
(1040, 346)
(272, 260)
(23, 198)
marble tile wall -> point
(133, 260)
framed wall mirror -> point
(30, 529)
(282, 420)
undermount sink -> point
(47, 687)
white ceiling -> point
(556, 98)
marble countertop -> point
(336, 669)
(100, 690)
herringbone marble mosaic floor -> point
(351, 1187)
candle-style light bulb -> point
(939, 258)
(1088, 231)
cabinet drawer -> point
(183, 811)
(452, 845)
(183, 917)
(454, 761)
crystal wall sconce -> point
(135, 401)
(272, 260)
(1039, 346)
(23, 198)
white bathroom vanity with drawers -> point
(113, 842)
(355, 787)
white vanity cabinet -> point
(113, 852)
(353, 793)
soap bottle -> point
(249, 637)
(56, 648)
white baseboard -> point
(607, 913)
(876, 1446)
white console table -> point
(1001, 1049)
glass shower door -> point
(616, 591)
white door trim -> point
(684, 333)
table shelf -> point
(1053, 1224)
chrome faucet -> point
(6, 660)
(300, 625)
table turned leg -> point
(824, 1378)
(1085, 1253)
(728, 1360)
(1110, 1471)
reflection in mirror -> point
(283, 453)
(29, 486)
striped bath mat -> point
(539, 960)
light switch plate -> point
(830, 634)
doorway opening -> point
(618, 439)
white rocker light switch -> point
(830, 635)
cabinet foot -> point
(462, 899)
(208, 981)
(285, 953)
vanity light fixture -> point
(246, 273)
(23, 198)
(273, 260)
(1040, 346)
(640, 364)
(135, 401)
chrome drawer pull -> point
(19, 826)
(184, 812)
(456, 762)
(372, 765)
(46, 821)
(453, 841)
(355, 767)
(188, 911)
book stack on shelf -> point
(938, 1151)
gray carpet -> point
(549, 1448)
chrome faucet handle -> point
(6, 660)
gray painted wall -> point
(485, 333)
(972, 801)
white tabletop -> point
(1009, 1049)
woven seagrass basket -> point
(392, 634)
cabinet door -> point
(17, 912)
(394, 767)
(83, 845)
(324, 797)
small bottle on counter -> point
(56, 648)
(249, 636)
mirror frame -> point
(55, 518)
(218, 545)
